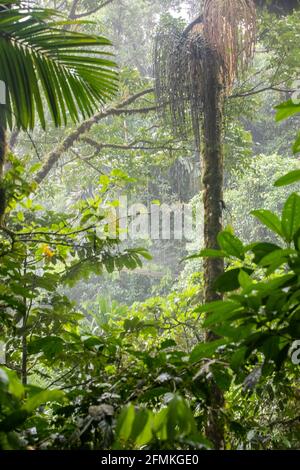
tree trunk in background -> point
(212, 171)
(3, 150)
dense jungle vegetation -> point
(111, 341)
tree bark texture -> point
(212, 180)
(3, 151)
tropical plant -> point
(45, 66)
(40, 254)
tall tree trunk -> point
(24, 371)
(212, 180)
(212, 171)
(3, 151)
(24, 353)
(280, 7)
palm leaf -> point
(45, 66)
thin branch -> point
(73, 9)
(287, 422)
(86, 161)
(9, 366)
(62, 376)
(261, 90)
(132, 146)
(91, 12)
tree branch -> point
(261, 90)
(75, 135)
(132, 146)
(91, 12)
(73, 10)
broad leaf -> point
(260, 250)
(41, 398)
(229, 281)
(231, 245)
(203, 350)
(291, 217)
(269, 219)
(286, 110)
(289, 178)
(296, 146)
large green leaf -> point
(296, 146)
(124, 425)
(49, 345)
(289, 178)
(260, 250)
(276, 255)
(219, 317)
(286, 110)
(291, 217)
(229, 281)
(44, 396)
(269, 219)
(231, 245)
(219, 310)
(203, 350)
(206, 253)
(44, 65)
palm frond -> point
(45, 66)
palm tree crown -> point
(215, 47)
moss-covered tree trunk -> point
(3, 151)
(212, 179)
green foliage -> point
(173, 425)
(262, 316)
(290, 178)
(286, 110)
(105, 375)
(255, 189)
(41, 60)
(16, 407)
